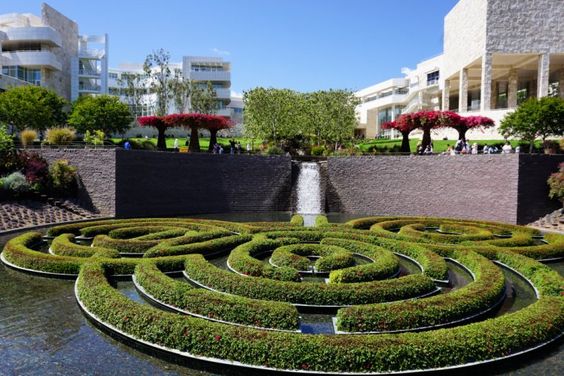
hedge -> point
(234, 309)
(243, 259)
(218, 242)
(297, 220)
(490, 339)
(476, 297)
(384, 265)
(201, 271)
(63, 245)
(294, 256)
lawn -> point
(204, 142)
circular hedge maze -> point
(237, 293)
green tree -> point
(159, 76)
(203, 99)
(535, 118)
(180, 89)
(132, 90)
(32, 107)
(273, 114)
(330, 115)
(104, 112)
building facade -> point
(497, 53)
(48, 51)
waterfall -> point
(309, 191)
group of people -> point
(234, 148)
(463, 147)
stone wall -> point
(533, 200)
(97, 171)
(525, 26)
(155, 183)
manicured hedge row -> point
(502, 336)
(294, 256)
(468, 233)
(198, 269)
(547, 281)
(235, 309)
(63, 245)
(138, 231)
(208, 224)
(218, 241)
(476, 297)
(433, 265)
(321, 221)
(384, 265)
(243, 259)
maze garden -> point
(235, 293)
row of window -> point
(207, 68)
(23, 73)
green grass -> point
(204, 142)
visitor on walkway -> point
(517, 149)
(507, 149)
(175, 144)
(127, 145)
(248, 148)
(474, 148)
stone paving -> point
(26, 213)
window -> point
(432, 78)
(21, 73)
(113, 75)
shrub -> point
(60, 136)
(556, 184)
(16, 184)
(27, 136)
(95, 138)
(297, 220)
(35, 169)
(6, 141)
(318, 151)
(63, 178)
(274, 150)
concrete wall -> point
(60, 81)
(464, 35)
(508, 188)
(525, 26)
(97, 171)
(155, 183)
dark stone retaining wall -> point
(154, 183)
(97, 171)
(508, 188)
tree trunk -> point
(531, 146)
(194, 146)
(405, 143)
(213, 139)
(462, 133)
(161, 140)
(426, 138)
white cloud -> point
(236, 94)
(220, 52)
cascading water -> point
(309, 192)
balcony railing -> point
(89, 72)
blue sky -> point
(299, 44)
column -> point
(463, 90)
(542, 78)
(512, 89)
(486, 84)
(495, 94)
(561, 84)
(446, 96)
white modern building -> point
(48, 51)
(201, 70)
(497, 53)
